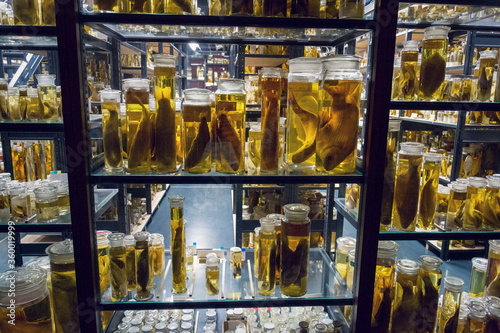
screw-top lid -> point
(296, 212)
(212, 259)
(186, 326)
(493, 181)
(443, 189)
(453, 284)
(327, 321)
(305, 65)
(346, 244)
(160, 326)
(110, 95)
(430, 262)
(495, 245)
(257, 230)
(231, 86)
(164, 60)
(129, 240)
(277, 218)
(341, 62)
(147, 328)
(478, 182)
(28, 283)
(303, 325)
(235, 249)
(271, 72)
(410, 45)
(269, 326)
(46, 79)
(142, 84)
(437, 31)
(116, 239)
(407, 266)
(433, 157)
(488, 54)
(102, 237)
(141, 236)
(387, 249)
(12, 91)
(459, 187)
(134, 329)
(197, 96)
(477, 310)
(157, 239)
(480, 264)
(411, 148)
(266, 224)
(211, 313)
(320, 328)
(172, 327)
(61, 252)
(176, 200)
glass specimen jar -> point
(492, 282)
(105, 5)
(235, 262)
(275, 8)
(19, 203)
(63, 292)
(443, 197)
(455, 88)
(212, 274)
(384, 285)
(307, 8)
(406, 298)
(351, 9)
(27, 12)
(428, 190)
(129, 243)
(493, 320)
(158, 253)
(433, 68)
(117, 254)
(220, 7)
(47, 97)
(477, 317)
(456, 205)
(448, 319)
(389, 175)
(139, 6)
(177, 244)
(429, 283)
(103, 259)
(31, 311)
(270, 86)
(491, 204)
(230, 126)
(33, 108)
(4, 110)
(337, 135)
(331, 10)
(303, 104)
(406, 186)
(165, 149)
(48, 12)
(344, 245)
(478, 276)
(13, 104)
(197, 122)
(111, 130)
(143, 266)
(468, 88)
(408, 80)
(487, 62)
(139, 125)
(59, 102)
(256, 252)
(4, 203)
(295, 238)
(473, 217)
(63, 200)
(180, 7)
(242, 7)
(267, 257)
(23, 101)
(277, 228)
(46, 204)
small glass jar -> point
(19, 204)
(344, 245)
(443, 196)
(478, 276)
(473, 217)
(33, 112)
(4, 203)
(48, 12)
(212, 274)
(111, 130)
(220, 7)
(243, 7)
(144, 268)
(406, 296)
(186, 7)
(308, 8)
(47, 97)
(105, 6)
(129, 243)
(477, 317)
(275, 8)
(487, 62)
(235, 262)
(448, 319)
(256, 252)
(408, 80)
(493, 321)
(178, 244)
(117, 254)
(158, 253)
(455, 214)
(4, 108)
(63, 200)
(46, 203)
(197, 119)
(267, 257)
(27, 12)
(103, 259)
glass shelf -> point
(325, 287)
(25, 126)
(16, 42)
(455, 106)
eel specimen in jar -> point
(406, 192)
(432, 74)
(269, 146)
(198, 150)
(112, 149)
(309, 121)
(141, 140)
(52, 109)
(143, 270)
(338, 132)
(230, 144)
(165, 134)
(427, 205)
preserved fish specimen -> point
(478, 276)
(236, 262)
(406, 186)
(33, 108)
(32, 306)
(179, 7)
(256, 252)
(103, 260)
(467, 89)
(443, 197)
(111, 130)
(106, 5)
(473, 210)
(23, 101)
(274, 8)
(26, 12)
(267, 257)
(270, 85)
(165, 131)
(493, 271)
(230, 139)
(4, 111)
(18, 203)
(158, 254)
(433, 68)
(487, 61)
(138, 125)
(143, 267)
(491, 205)
(456, 206)
(19, 163)
(350, 278)
(429, 283)
(305, 8)
(63, 291)
(48, 12)
(242, 7)
(254, 145)
(477, 317)
(212, 274)
(455, 87)
(46, 203)
(303, 95)
(117, 254)
(14, 109)
(129, 242)
(406, 298)
(277, 228)
(389, 175)
(295, 238)
(408, 81)
(428, 190)
(197, 118)
(177, 244)
(448, 319)
(4, 203)
(220, 7)
(384, 285)
(47, 97)
(352, 9)
(344, 245)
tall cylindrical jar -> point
(491, 205)
(138, 125)
(27, 12)
(30, 312)
(103, 259)
(303, 113)
(493, 320)
(23, 101)
(177, 244)
(256, 252)
(14, 107)
(407, 291)
(295, 235)
(277, 228)
(428, 190)
(47, 96)
(220, 7)
(48, 12)
(140, 6)
(4, 108)
(307, 8)
(351, 9)
(63, 293)
(389, 175)
(429, 283)
(117, 254)
(406, 186)
(385, 271)
(474, 200)
(143, 267)
(165, 150)
(196, 132)
(448, 320)
(487, 62)
(230, 99)
(270, 86)
(212, 274)
(477, 317)
(267, 257)
(4, 203)
(158, 254)
(33, 108)
(344, 245)
(492, 283)
(20, 208)
(432, 71)
(111, 130)
(443, 197)
(455, 214)
(337, 135)
(478, 276)
(129, 243)
(408, 83)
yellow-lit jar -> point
(106, 5)
(27, 12)
(344, 245)
(143, 267)
(473, 214)
(140, 6)
(407, 293)
(180, 7)
(178, 244)
(448, 319)
(47, 97)
(352, 9)
(491, 206)
(428, 190)
(118, 266)
(158, 254)
(429, 283)
(103, 260)
(389, 175)
(456, 206)
(487, 62)
(220, 7)
(14, 107)
(408, 79)
(493, 271)
(129, 243)
(307, 8)
(111, 130)
(478, 276)
(4, 109)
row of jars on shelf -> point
(333, 9)
(47, 200)
(32, 160)
(316, 140)
(28, 12)
(427, 80)
(33, 104)
(451, 117)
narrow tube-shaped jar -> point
(4, 108)
(267, 257)
(242, 7)
(474, 200)
(448, 319)
(477, 317)
(256, 252)
(212, 274)
(23, 102)
(47, 97)
(235, 261)
(456, 206)
(220, 7)
(111, 130)
(274, 8)
(13, 104)
(408, 80)
(4, 203)
(344, 245)
(197, 120)
(492, 283)
(129, 243)
(478, 276)
(34, 113)
(178, 244)
(406, 298)
(429, 283)
(19, 203)
(143, 267)
(46, 204)
(103, 259)
(106, 5)
(140, 6)
(493, 321)
(277, 228)
(48, 12)
(428, 190)
(117, 254)
(27, 12)
(389, 176)
(491, 205)
(487, 62)
(158, 254)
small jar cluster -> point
(159, 321)
(28, 12)
(33, 159)
(23, 103)
(46, 201)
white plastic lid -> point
(46, 79)
(437, 31)
(410, 45)
(164, 60)
(211, 313)
(305, 65)
(480, 263)
(129, 240)
(387, 249)
(493, 181)
(266, 224)
(176, 200)
(433, 157)
(488, 54)
(142, 84)
(157, 238)
(102, 237)
(453, 284)
(238, 311)
(407, 266)
(458, 187)
(235, 249)
(134, 329)
(61, 252)
(478, 182)
(110, 95)
(430, 262)
(186, 326)
(116, 239)
(338, 62)
(346, 244)
(160, 326)
(212, 259)
(271, 72)
(141, 236)
(443, 189)
(231, 86)
(172, 327)
(411, 148)
(269, 326)
(197, 96)
(29, 284)
(296, 212)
